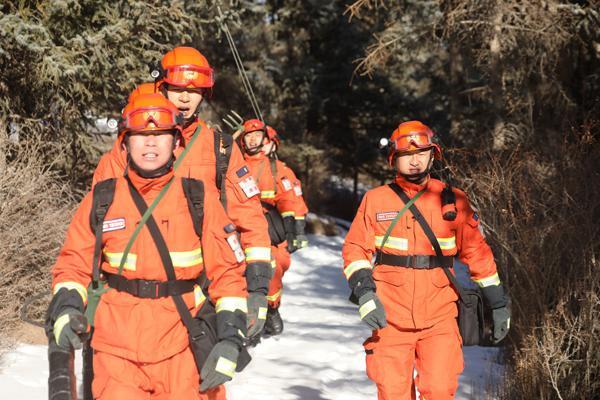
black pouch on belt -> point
(276, 226)
(470, 316)
(203, 333)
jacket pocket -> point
(396, 276)
(439, 278)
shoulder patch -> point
(113, 225)
(385, 216)
(242, 171)
(287, 185)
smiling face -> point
(187, 100)
(150, 150)
(253, 140)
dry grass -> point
(35, 208)
(541, 210)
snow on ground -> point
(319, 356)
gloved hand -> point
(501, 318)
(300, 242)
(371, 310)
(257, 313)
(220, 365)
(289, 224)
(71, 329)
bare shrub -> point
(35, 208)
(541, 210)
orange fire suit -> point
(243, 206)
(275, 191)
(420, 304)
(141, 345)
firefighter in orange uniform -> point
(406, 298)
(186, 79)
(299, 239)
(280, 206)
(141, 346)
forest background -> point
(510, 86)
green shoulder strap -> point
(397, 218)
(157, 200)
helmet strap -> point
(421, 176)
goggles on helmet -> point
(161, 118)
(420, 140)
(189, 76)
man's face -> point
(150, 150)
(414, 162)
(254, 139)
(186, 100)
(269, 147)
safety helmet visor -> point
(190, 76)
(150, 118)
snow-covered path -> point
(319, 356)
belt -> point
(414, 261)
(150, 289)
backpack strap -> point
(273, 163)
(194, 193)
(103, 196)
(223, 147)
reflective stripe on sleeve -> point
(232, 304)
(447, 243)
(287, 214)
(355, 266)
(493, 280)
(267, 194)
(300, 217)
(275, 296)
(392, 242)
(114, 259)
(183, 259)
(72, 285)
(258, 254)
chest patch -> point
(242, 171)
(113, 225)
(385, 216)
(298, 190)
(249, 187)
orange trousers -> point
(435, 352)
(282, 261)
(172, 379)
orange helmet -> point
(186, 67)
(272, 135)
(150, 112)
(142, 88)
(412, 135)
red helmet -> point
(187, 67)
(150, 112)
(412, 135)
(273, 136)
(142, 88)
(252, 125)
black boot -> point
(274, 323)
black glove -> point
(65, 321)
(501, 318)
(289, 224)
(497, 299)
(257, 313)
(220, 365)
(372, 311)
(301, 241)
(71, 329)
(360, 283)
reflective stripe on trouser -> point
(435, 352)
(282, 264)
(172, 379)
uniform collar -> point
(148, 185)
(409, 186)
